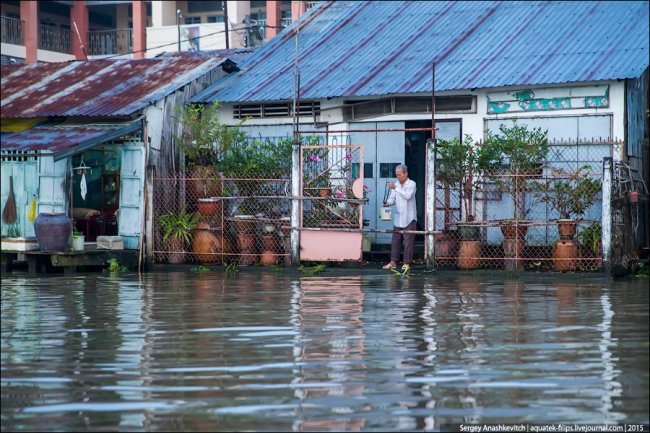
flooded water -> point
(277, 351)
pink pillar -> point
(297, 9)
(139, 29)
(273, 18)
(79, 16)
(29, 17)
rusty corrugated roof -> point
(64, 139)
(97, 87)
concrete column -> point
(139, 29)
(163, 13)
(273, 18)
(79, 16)
(297, 9)
(430, 203)
(606, 215)
(29, 17)
(237, 11)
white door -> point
(131, 196)
(52, 193)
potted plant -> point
(177, 229)
(203, 142)
(513, 158)
(570, 194)
(458, 168)
(591, 246)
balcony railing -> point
(54, 39)
(106, 42)
(12, 32)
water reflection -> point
(267, 351)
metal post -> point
(430, 173)
(179, 15)
(606, 226)
(295, 202)
(430, 202)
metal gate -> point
(333, 195)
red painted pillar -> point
(139, 29)
(79, 16)
(297, 8)
(273, 18)
(29, 18)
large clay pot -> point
(566, 228)
(176, 251)
(510, 230)
(566, 254)
(513, 250)
(206, 182)
(469, 254)
(53, 231)
(207, 244)
(268, 258)
(446, 247)
(243, 223)
(245, 242)
(209, 206)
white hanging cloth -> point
(84, 187)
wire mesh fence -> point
(543, 215)
(332, 185)
(234, 212)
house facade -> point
(82, 138)
(578, 70)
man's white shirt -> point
(403, 197)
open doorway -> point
(415, 159)
(415, 156)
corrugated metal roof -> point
(64, 140)
(363, 48)
(97, 87)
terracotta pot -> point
(209, 206)
(270, 243)
(446, 247)
(325, 192)
(510, 230)
(566, 228)
(513, 249)
(267, 258)
(243, 224)
(246, 259)
(565, 255)
(206, 182)
(469, 254)
(52, 231)
(245, 242)
(176, 254)
(207, 244)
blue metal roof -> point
(363, 48)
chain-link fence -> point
(539, 208)
(236, 212)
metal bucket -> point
(386, 214)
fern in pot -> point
(177, 230)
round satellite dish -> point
(357, 188)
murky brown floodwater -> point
(267, 351)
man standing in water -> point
(403, 197)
